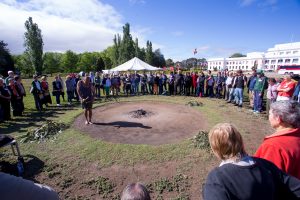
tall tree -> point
(137, 49)
(6, 60)
(24, 65)
(100, 65)
(149, 53)
(33, 44)
(127, 48)
(69, 61)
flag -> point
(195, 51)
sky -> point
(217, 28)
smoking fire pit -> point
(140, 113)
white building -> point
(280, 54)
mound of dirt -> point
(152, 123)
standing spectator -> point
(10, 75)
(171, 83)
(194, 83)
(271, 93)
(36, 90)
(144, 84)
(107, 85)
(62, 92)
(178, 83)
(151, 82)
(210, 82)
(296, 95)
(115, 85)
(160, 84)
(164, 81)
(232, 90)
(250, 85)
(286, 89)
(77, 79)
(70, 89)
(240, 83)
(57, 88)
(86, 92)
(228, 86)
(155, 84)
(92, 77)
(219, 85)
(45, 89)
(136, 83)
(97, 81)
(4, 102)
(22, 93)
(283, 147)
(200, 85)
(259, 88)
(243, 177)
(187, 84)
(127, 85)
(15, 97)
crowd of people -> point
(273, 172)
(227, 85)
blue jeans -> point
(239, 96)
(258, 101)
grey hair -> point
(287, 111)
(135, 191)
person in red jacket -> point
(286, 89)
(194, 83)
(283, 147)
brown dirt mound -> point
(167, 123)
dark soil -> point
(129, 123)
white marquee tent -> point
(135, 64)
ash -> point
(140, 113)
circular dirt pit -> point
(150, 123)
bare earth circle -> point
(166, 123)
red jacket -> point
(283, 149)
(194, 79)
(287, 85)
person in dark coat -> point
(57, 88)
(4, 102)
(45, 88)
(243, 177)
(36, 90)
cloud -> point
(246, 2)
(137, 1)
(70, 24)
(177, 33)
(259, 3)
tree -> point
(69, 61)
(87, 61)
(237, 55)
(159, 59)
(52, 62)
(34, 45)
(169, 62)
(6, 60)
(100, 65)
(127, 50)
(23, 64)
(149, 53)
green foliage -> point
(201, 140)
(34, 45)
(24, 65)
(87, 61)
(52, 62)
(6, 60)
(69, 61)
(149, 53)
(102, 185)
(158, 59)
(169, 62)
(237, 55)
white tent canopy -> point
(135, 64)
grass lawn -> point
(80, 167)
